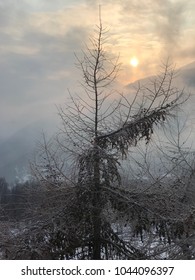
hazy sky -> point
(38, 39)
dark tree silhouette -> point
(96, 135)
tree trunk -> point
(96, 207)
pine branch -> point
(137, 128)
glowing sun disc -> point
(134, 62)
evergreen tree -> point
(96, 136)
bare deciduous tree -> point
(97, 133)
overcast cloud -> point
(38, 40)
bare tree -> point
(163, 175)
(97, 133)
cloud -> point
(39, 38)
(169, 22)
(36, 62)
(162, 21)
(189, 77)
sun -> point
(134, 61)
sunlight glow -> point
(134, 61)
